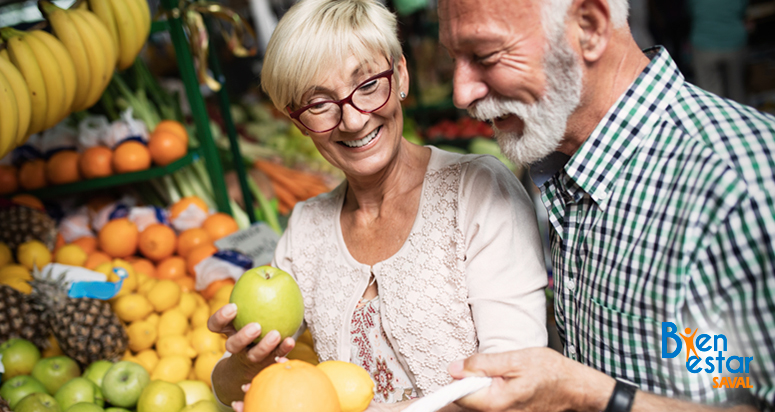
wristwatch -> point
(621, 399)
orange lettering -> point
(725, 382)
(716, 384)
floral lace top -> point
(371, 350)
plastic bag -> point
(124, 129)
(92, 130)
(76, 225)
(59, 137)
(111, 211)
(224, 264)
(144, 216)
(191, 217)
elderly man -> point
(662, 201)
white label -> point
(258, 242)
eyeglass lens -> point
(368, 97)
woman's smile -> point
(364, 143)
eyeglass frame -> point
(296, 114)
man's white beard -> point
(546, 119)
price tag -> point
(258, 242)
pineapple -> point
(86, 329)
(4, 407)
(18, 319)
(19, 224)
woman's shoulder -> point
(471, 166)
(322, 204)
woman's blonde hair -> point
(315, 36)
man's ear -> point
(592, 19)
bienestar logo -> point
(716, 344)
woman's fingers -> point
(220, 322)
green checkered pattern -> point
(667, 213)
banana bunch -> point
(87, 41)
(15, 106)
(129, 23)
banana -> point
(55, 81)
(140, 34)
(104, 11)
(64, 63)
(145, 14)
(24, 60)
(66, 32)
(127, 37)
(22, 94)
(111, 54)
(4, 54)
(9, 117)
(97, 58)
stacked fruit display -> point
(36, 383)
(45, 77)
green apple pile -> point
(31, 383)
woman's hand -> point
(247, 359)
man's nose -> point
(468, 85)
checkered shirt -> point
(667, 213)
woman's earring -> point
(402, 95)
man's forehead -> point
(464, 21)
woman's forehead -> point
(345, 72)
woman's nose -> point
(352, 119)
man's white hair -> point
(555, 10)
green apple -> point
(202, 406)
(84, 407)
(96, 371)
(161, 396)
(79, 390)
(38, 402)
(16, 388)
(115, 409)
(123, 383)
(19, 357)
(270, 297)
(55, 371)
(196, 391)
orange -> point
(131, 156)
(292, 386)
(187, 283)
(95, 259)
(174, 127)
(214, 287)
(190, 239)
(9, 179)
(172, 267)
(166, 148)
(143, 266)
(197, 255)
(96, 162)
(183, 203)
(118, 238)
(87, 243)
(62, 167)
(29, 201)
(32, 174)
(157, 241)
(219, 225)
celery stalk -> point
(269, 213)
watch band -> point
(621, 399)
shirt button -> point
(572, 351)
(570, 285)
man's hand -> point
(534, 379)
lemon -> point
(53, 348)
(200, 300)
(165, 294)
(353, 384)
(216, 304)
(172, 369)
(105, 268)
(141, 278)
(33, 254)
(142, 335)
(6, 257)
(172, 322)
(153, 319)
(203, 340)
(148, 358)
(19, 284)
(128, 356)
(132, 307)
(304, 352)
(224, 293)
(200, 316)
(204, 364)
(175, 345)
(14, 272)
(187, 304)
(71, 254)
(146, 286)
(130, 282)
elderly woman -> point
(420, 257)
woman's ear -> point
(403, 76)
(592, 21)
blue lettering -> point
(709, 362)
(720, 358)
(715, 342)
(739, 368)
(701, 341)
(691, 365)
(748, 360)
(669, 331)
